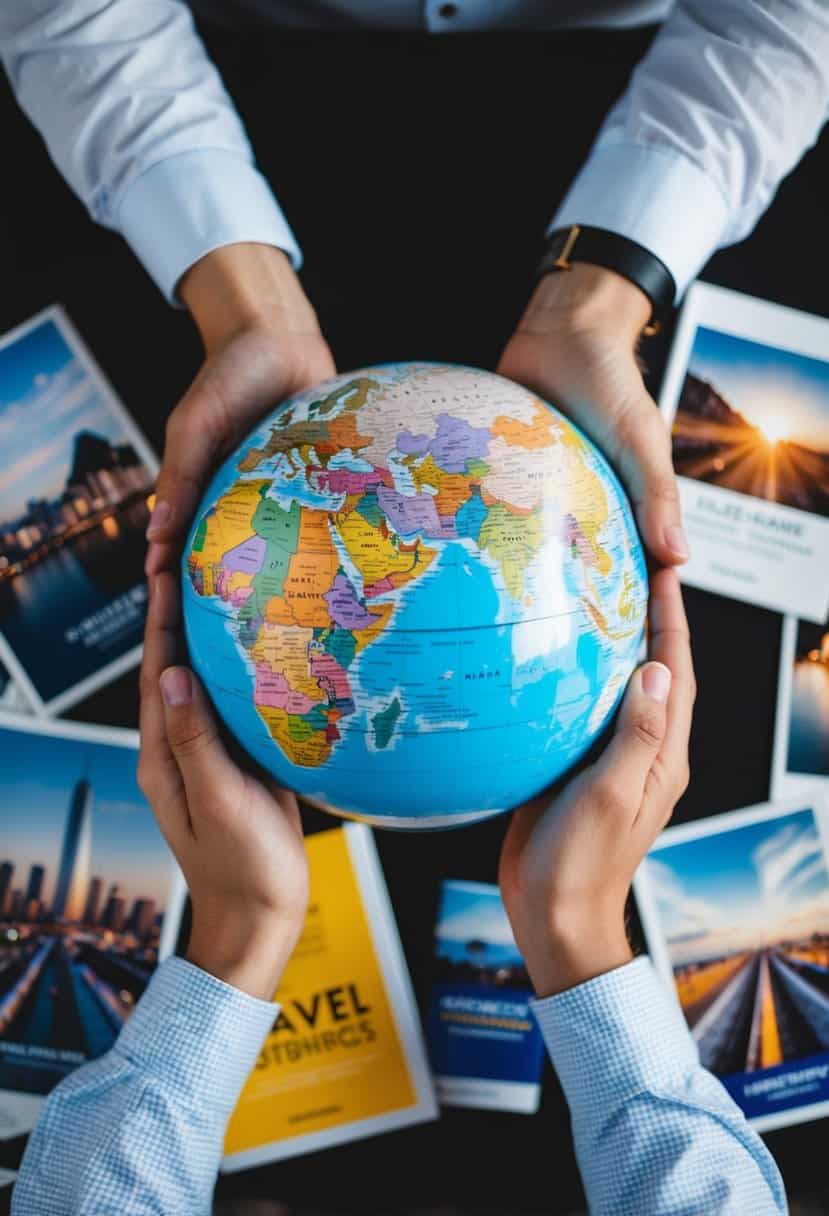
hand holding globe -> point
(415, 594)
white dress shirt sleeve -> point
(136, 118)
(655, 1134)
(721, 108)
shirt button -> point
(448, 11)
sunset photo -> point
(755, 419)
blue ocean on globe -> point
(415, 594)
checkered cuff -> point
(615, 1036)
(195, 1033)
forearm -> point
(729, 96)
(142, 1127)
(655, 1134)
(246, 286)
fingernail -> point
(656, 682)
(677, 541)
(177, 686)
(162, 513)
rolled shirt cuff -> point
(196, 1034)
(652, 195)
(187, 205)
(615, 1036)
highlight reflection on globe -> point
(415, 594)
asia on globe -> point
(415, 594)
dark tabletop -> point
(419, 175)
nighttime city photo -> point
(745, 916)
(75, 494)
(85, 882)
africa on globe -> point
(415, 594)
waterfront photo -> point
(86, 885)
(737, 908)
(75, 494)
(473, 939)
(808, 744)
(754, 419)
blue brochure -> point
(486, 1049)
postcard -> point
(735, 910)
(485, 1046)
(75, 493)
(345, 1058)
(801, 733)
(746, 394)
(90, 900)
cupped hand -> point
(576, 347)
(263, 344)
(238, 839)
(567, 864)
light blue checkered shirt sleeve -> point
(140, 1130)
(655, 1133)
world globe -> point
(415, 594)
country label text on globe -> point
(415, 594)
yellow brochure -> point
(345, 1058)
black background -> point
(419, 175)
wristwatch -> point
(633, 261)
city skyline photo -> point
(755, 419)
(75, 494)
(89, 896)
(36, 793)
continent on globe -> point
(415, 593)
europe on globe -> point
(415, 594)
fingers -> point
(193, 737)
(619, 778)
(670, 644)
(643, 448)
(158, 773)
(234, 389)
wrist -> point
(245, 286)
(247, 951)
(575, 950)
(588, 298)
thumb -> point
(193, 735)
(624, 766)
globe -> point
(415, 594)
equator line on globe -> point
(415, 594)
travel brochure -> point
(75, 494)
(345, 1058)
(90, 900)
(746, 394)
(485, 1046)
(735, 910)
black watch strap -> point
(633, 261)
